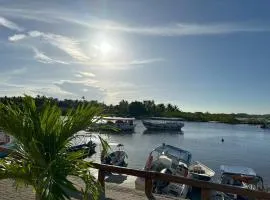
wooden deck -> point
(113, 192)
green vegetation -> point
(149, 109)
(42, 138)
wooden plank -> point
(148, 187)
(205, 194)
(183, 180)
(101, 178)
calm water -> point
(244, 145)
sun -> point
(106, 48)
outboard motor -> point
(160, 185)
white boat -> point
(115, 124)
(159, 123)
(200, 172)
(238, 176)
(117, 157)
(169, 160)
(6, 144)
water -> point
(243, 145)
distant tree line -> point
(146, 109)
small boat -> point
(163, 123)
(6, 144)
(114, 124)
(83, 143)
(117, 157)
(169, 160)
(200, 172)
(243, 177)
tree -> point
(123, 107)
(42, 138)
(136, 109)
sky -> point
(210, 55)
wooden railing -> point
(206, 187)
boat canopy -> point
(167, 118)
(119, 118)
(175, 152)
(237, 170)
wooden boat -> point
(162, 123)
(169, 160)
(200, 172)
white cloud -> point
(68, 45)
(171, 29)
(41, 57)
(85, 74)
(9, 24)
(16, 37)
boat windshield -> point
(175, 153)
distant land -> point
(149, 108)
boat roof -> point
(167, 118)
(237, 170)
(175, 152)
(120, 118)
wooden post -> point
(148, 187)
(205, 194)
(101, 178)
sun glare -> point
(105, 48)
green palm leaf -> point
(41, 157)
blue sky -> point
(209, 55)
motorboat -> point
(83, 143)
(243, 177)
(163, 123)
(169, 160)
(114, 124)
(116, 157)
(200, 171)
(6, 144)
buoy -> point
(222, 140)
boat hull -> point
(163, 126)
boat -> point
(243, 177)
(169, 160)
(6, 144)
(117, 157)
(114, 124)
(200, 172)
(163, 123)
(84, 143)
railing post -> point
(205, 194)
(101, 178)
(148, 187)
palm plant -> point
(41, 157)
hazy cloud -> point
(9, 24)
(16, 37)
(41, 57)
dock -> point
(113, 192)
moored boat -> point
(265, 126)
(200, 172)
(6, 144)
(169, 160)
(114, 124)
(243, 177)
(160, 123)
(117, 157)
